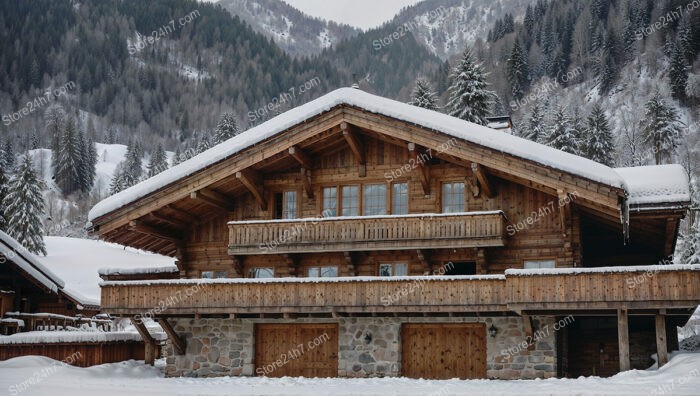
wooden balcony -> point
(416, 231)
(673, 287)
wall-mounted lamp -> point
(368, 337)
(493, 331)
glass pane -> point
(374, 199)
(261, 273)
(400, 199)
(330, 201)
(329, 272)
(452, 197)
(207, 274)
(534, 264)
(400, 269)
(313, 272)
(351, 202)
(290, 205)
(385, 270)
(220, 274)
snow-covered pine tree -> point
(3, 201)
(176, 157)
(470, 98)
(91, 164)
(203, 144)
(688, 247)
(67, 165)
(117, 183)
(678, 73)
(158, 162)
(132, 167)
(660, 128)
(517, 70)
(8, 155)
(226, 128)
(536, 128)
(424, 95)
(25, 208)
(563, 135)
(599, 140)
(54, 119)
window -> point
(399, 197)
(452, 197)
(220, 274)
(374, 199)
(393, 269)
(261, 272)
(330, 201)
(351, 201)
(286, 205)
(534, 264)
(323, 272)
(207, 274)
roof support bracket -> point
(254, 183)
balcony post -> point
(661, 350)
(623, 339)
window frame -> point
(358, 196)
(394, 195)
(320, 271)
(392, 265)
(452, 194)
(553, 260)
(255, 269)
(381, 200)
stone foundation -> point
(220, 347)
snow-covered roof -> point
(429, 119)
(32, 265)
(137, 271)
(655, 184)
(47, 337)
(605, 270)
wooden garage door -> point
(307, 350)
(443, 351)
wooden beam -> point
(483, 179)
(306, 182)
(527, 324)
(169, 220)
(213, 198)
(189, 218)
(564, 211)
(142, 228)
(177, 341)
(254, 183)
(149, 342)
(423, 258)
(350, 261)
(238, 265)
(661, 348)
(356, 146)
(623, 339)
(302, 158)
(473, 184)
(421, 163)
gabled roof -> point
(428, 119)
(16, 253)
(656, 185)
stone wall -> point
(215, 348)
(219, 347)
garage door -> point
(442, 351)
(307, 350)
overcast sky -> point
(359, 13)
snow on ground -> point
(77, 261)
(681, 376)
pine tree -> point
(660, 128)
(469, 97)
(176, 157)
(158, 162)
(132, 168)
(226, 128)
(91, 164)
(8, 155)
(54, 119)
(599, 142)
(424, 96)
(3, 199)
(25, 208)
(67, 161)
(688, 249)
(117, 183)
(678, 74)
(203, 144)
(535, 129)
(562, 135)
(517, 70)
(34, 141)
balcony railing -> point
(519, 290)
(415, 231)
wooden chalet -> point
(358, 236)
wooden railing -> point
(424, 231)
(518, 290)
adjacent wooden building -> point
(358, 236)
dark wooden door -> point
(443, 351)
(307, 350)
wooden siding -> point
(375, 233)
(82, 354)
(588, 290)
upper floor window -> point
(393, 269)
(286, 205)
(399, 204)
(330, 201)
(207, 275)
(535, 264)
(323, 272)
(350, 201)
(261, 272)
(374, 199)
(453, 197)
